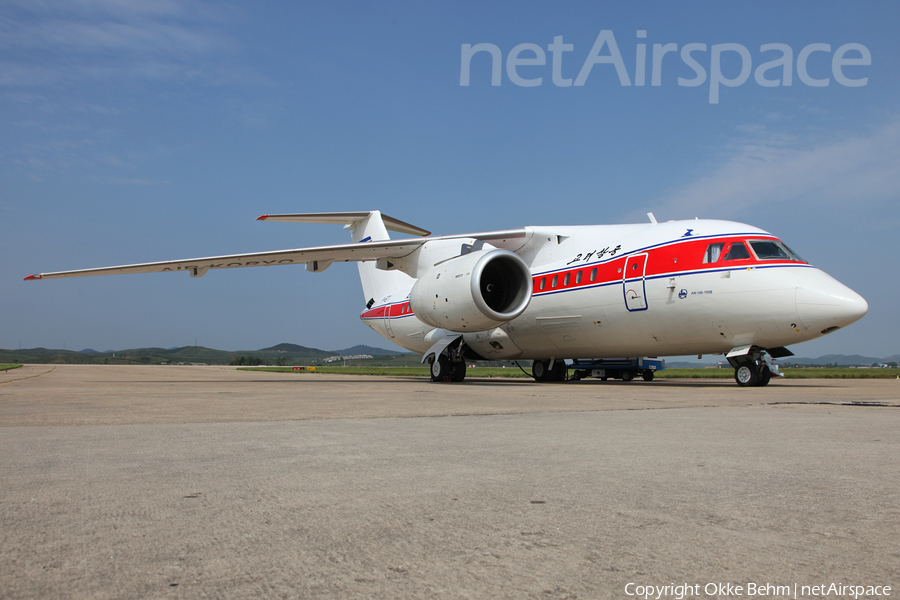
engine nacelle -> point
(473, 292)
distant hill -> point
(294, 348)
(846, 360)
(290, 354)
(366, 350)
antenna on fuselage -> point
(652, 218)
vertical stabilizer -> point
(375, 282)
(364, 227)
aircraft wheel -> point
(458, 372)
(559, 371)
(441, 369)
(540, 370)
(648, 375)
(746, 375)
(765, 375)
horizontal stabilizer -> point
(346, 218)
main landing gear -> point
(542, 371)
(751, 370)
(450, 365)
(446, 370)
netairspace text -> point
(717, 63)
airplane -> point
(554, 293)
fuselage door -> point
(387, 316)
(633, 282)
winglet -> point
(38, 276)
(262, 218)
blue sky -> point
(134, 131)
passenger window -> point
(713, 252)
(553, 281)
(594, 274)
(737, 251)
(566, 280)
(578, 277)
(543, 282)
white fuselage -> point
(645, 290)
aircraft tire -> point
(647, 375)
(458, 372)
(765, 375)
(746, 375)
(559, 371)
(441, 369)
(540, 370)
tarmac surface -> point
(208, 482)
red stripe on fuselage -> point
(678, 257)
(389, 311)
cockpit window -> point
(796, 256)
(713, 252)
(770, 250)
(773, 250)
(737, 251)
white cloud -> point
(77, 72)
(139, 37)
(51, 42)
(22, 74)
(131, 181)
(769, 168)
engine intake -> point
(474, 292)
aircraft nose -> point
(825, 304)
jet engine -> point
(473, 292)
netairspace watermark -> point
(704, 61)
(795, 591)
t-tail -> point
(370, 226)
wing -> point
(317, 258)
